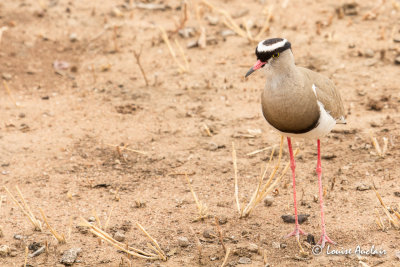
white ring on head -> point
(268, 48)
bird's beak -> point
(256, 66)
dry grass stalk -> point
(183, 19)
(261, 191)
(25, 209)
(234, 159)
(115, 39)
(381, 152)
(228, 251)
(159, 251)
(94, 213)
(182, 54)
(182, 69)
(121, 148)
(201, 208)
(2, 29)
(207, 130)
(379, 220)
(9, 93)
(231, 24)
(137, 57)
(198, 244)
(109, 216)
(121, 246)
(60, 238)
(220, 235)
(373, 13)
(395, 5)
(259, 150)
(94, 74)
(26, 256)
(394, 221)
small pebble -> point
(290, 218)
(6, 76)
(363, 187)
(244, 260)
(120, 237)
(183, 241)
(37, 252)
(211, 146)
(92, 219)
(69, 256)
(369, 53)
(268, 200)
(311, 239)
(209, 233)
(18, 237)
(212, 20)
(4, 250)
(397, 60)
(192, 44)
(226, 33)
(276, 245)
(21, 115)
(73, 37)
(397, 194)
(252, 248)
(187, 32)
(222, 220)
(213, 258)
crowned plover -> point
(297, 102)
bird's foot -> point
(296, 232)
(325, 239)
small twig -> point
(220, 236)
(9, 93)
(137, 57)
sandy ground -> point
(71, 70)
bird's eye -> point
(275, 55)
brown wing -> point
(327, 94)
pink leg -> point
(297, 231)
(324, 237)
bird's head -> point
(270, 52)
